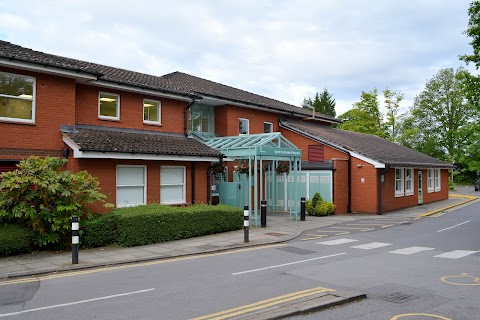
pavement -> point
(279, 229)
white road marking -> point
(411, 250)
(455, 254)
(288, 264)
(454, 226)
(371, 245)
(337, 241)
(74, 303)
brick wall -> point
(226, 120)
(131, 110)
(364, 186)
(54, 106)
(340, 186)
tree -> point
(439, 115)
(322, 103)
(471, 82)
(392, 104)
(44, 197)
(365, 116)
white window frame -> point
(117, 117)
(32, 120)
(271, 126)
(409, 191)
(144, 185)
(184, 200)
(430, 180)
(437, 181)
(248, 126)
(401, 192)
(159, 111)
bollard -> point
(75, 240)
(263, 213)
(246, 224)
(302, 209)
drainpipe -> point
(379, 203)
(349, 205)
(185, 117)
(193, 182)
(208, 186)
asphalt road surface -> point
(419, 269)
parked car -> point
(477, 184)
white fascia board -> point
(376, 164)
(78, 154)
(106, 84)
(47, 69)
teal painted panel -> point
(228, 193)
(321, 182)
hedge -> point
(143, 225)
(14, 239)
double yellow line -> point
(263, 304)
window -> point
(131, 185)
(17, 98)
(437, 180)
(409, 181)
(152, 112)
(243, 126)
(267, 127)
(202, 119)
(399, 182)
(430, 187)
(172, 185)
(108, 106)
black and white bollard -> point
(246, 223)
(302, 209)
(263, 213)
(75, 240)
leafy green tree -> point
(393, 115)
(437, 117)
(471, 82)
(322, 103)
(44, 197)
(365, 116)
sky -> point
(285, 50)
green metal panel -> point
(320, 182)
(228, 193)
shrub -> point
(134, 226)
(310, 205)
(100, 231)
(14, 239)
(324, 208)
(43, 197)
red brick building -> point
(135, 132)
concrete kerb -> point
(467, 197)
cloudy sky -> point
(285, 50)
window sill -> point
(398, 195)
(430, 191)
(13, 121)
(409, 193)
(174, 203)
(156, 124)
(109, 119)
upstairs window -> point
(152, 112)
(267, 127)
(399, 182)
(108, 106)
(17, 98)
(202, 119)
(243, 126)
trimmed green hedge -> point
(14, 239)
(143, 225)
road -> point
(408, 267)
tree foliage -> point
(322, 103)
(439, 117)
(392, 101)
(44, 197)
(365, 116)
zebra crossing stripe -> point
(455, 254)
(337, 241)
(411, 250)
(371, 245)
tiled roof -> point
(218, 90)
(175, 83)
(103, 139)
(370, 146)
